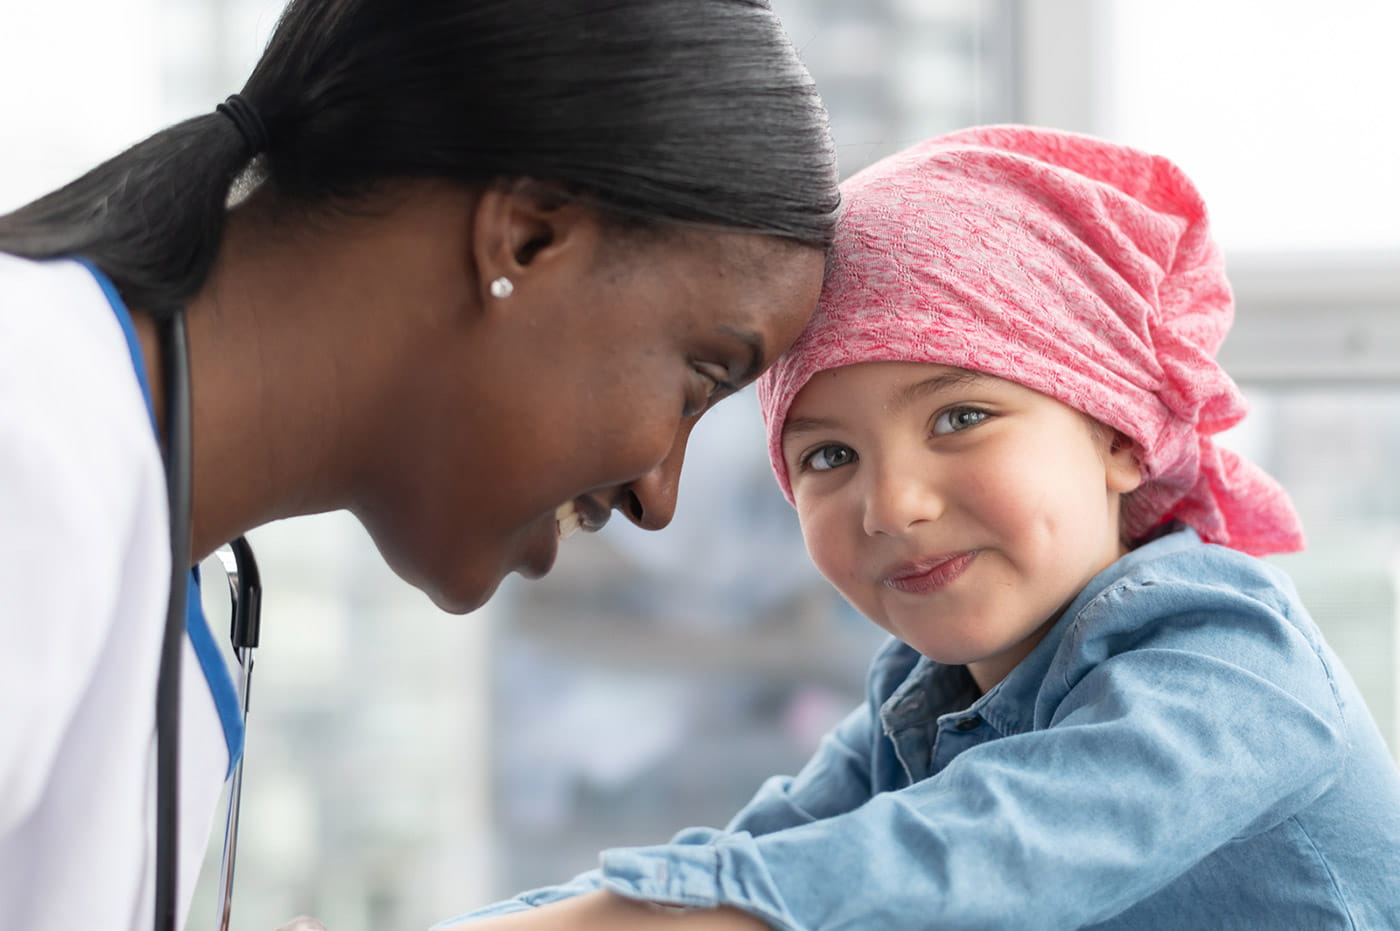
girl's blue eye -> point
(831, 456)
(955, 419)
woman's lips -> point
(583, 513)
(580, 514)
(929, 575)
(567, 521)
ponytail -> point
(655, 111)
(151, 218)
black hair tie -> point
(246, 121)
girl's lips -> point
(929, 575)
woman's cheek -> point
(648, 433)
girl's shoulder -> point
(1179, 607)
(1179, 575)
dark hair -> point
(690, 111)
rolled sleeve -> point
(579, 885)
(729, 870)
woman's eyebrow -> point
(757, 352)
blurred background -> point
(405, 765)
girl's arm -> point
(1171, 736)
(836, 779)
(1215, 722)
(595, 911)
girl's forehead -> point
(836, 395)
(896, 386)
(895, 376)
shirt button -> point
(969, 724)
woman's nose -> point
(898, 497)
(649, 501)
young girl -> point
(1100, 709)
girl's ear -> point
(1124, 471)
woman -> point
(470, 270)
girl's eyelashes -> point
(827, 457)
(955, 419)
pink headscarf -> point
(1076, 267)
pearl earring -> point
(502, 287)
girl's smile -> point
(929, 575)
(959, 511)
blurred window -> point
(404, 765)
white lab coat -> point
(84, 565)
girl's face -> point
(959, 511)
(576, 395)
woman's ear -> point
(522, 228)
(1124, 470)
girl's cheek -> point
(826, 546)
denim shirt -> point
(1182, 750)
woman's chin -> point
(457, 587)
(462, 580)
(462, 597)
(463, 592)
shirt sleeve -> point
(1154, 754)
(835, 779)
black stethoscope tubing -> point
(246, 596)
(175, 359)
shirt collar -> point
(1009, 706)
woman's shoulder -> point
(23, 280)
(83, 493)
(56, 321)
(77, 446)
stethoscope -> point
(245, 593)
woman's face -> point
(576, 395)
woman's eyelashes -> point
(710, 384)
(958, 418)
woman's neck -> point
(297, 338)
(265, 382)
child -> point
(1100, 710)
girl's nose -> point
(898, 497)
